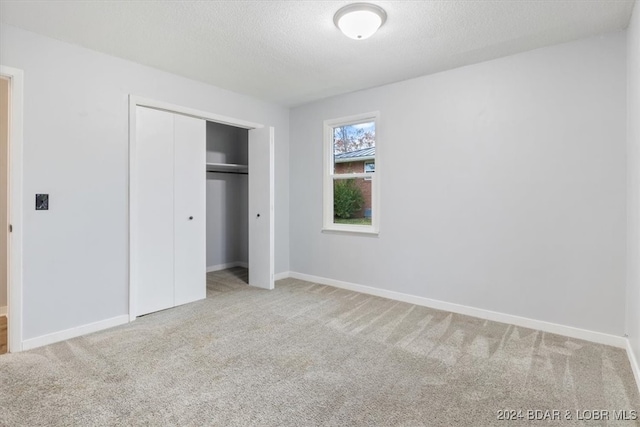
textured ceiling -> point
(290, 52)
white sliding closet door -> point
(169, 215)
(154, 219)
(190, 209)
(261, 201)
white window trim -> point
(328, 177)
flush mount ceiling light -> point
(359, 20)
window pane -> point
(370, 166)
(353, 145)
(352, 201)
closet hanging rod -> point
(233, 173)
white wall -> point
(502, 186)
(76, 149)
(633, 185)
(227, 197)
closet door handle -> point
(190, 218)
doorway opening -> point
(4, 211)
(11, 100)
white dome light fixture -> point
(360, 21)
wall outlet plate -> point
(42, 202)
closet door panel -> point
(153, 244)
(261, 201)
(190, 209)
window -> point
(351, 201)
(369, 167)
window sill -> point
(351, 230)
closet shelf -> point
(227, 167)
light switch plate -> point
(42, 202)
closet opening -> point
(227, 202)
(201, 198)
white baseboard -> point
(554, 328)
(3, 311)
(74, 332)
(227, 265)
(283, 275)
(635, 366)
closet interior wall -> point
(227, 198)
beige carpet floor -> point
(311, 355)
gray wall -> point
(227, 197)
(76, 149)
(503, 186)
(633, 185)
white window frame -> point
(329, 176)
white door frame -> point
(14, 284)
(136, 101)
